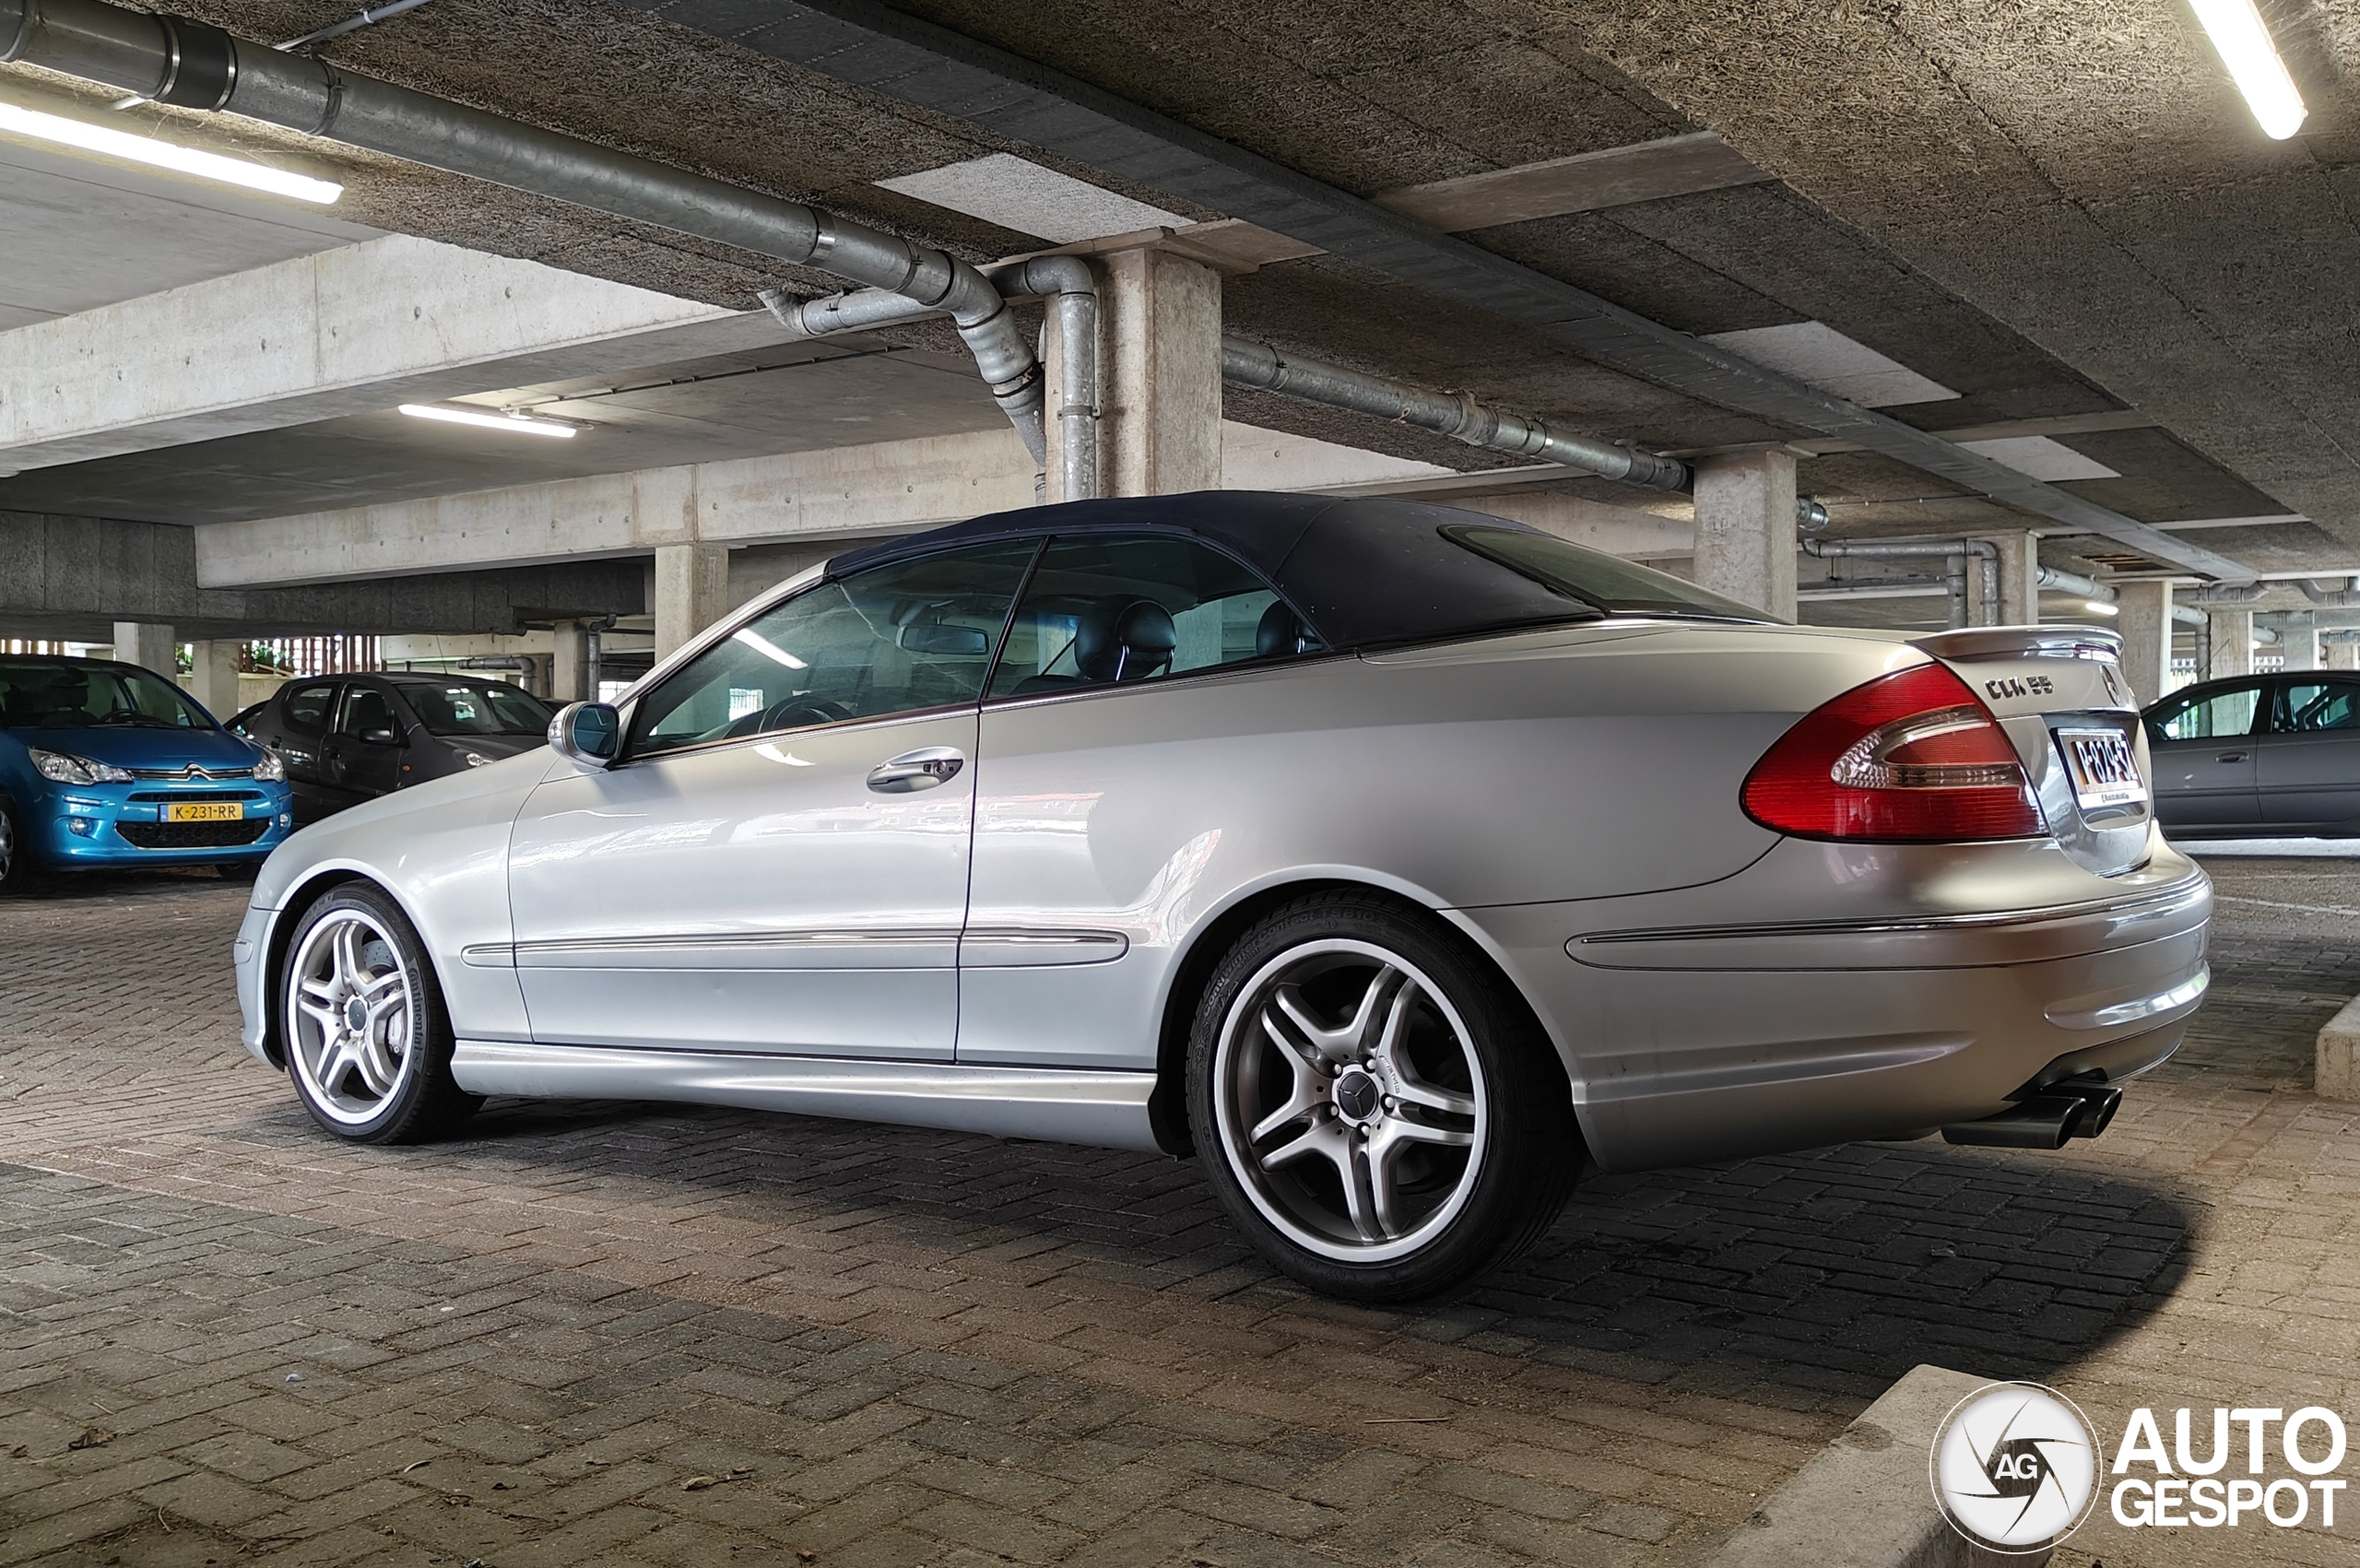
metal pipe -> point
(190, 65)
(1455, 415)
(1954, 554)
(2335, 598)
(1066, 281)
(2072, 582)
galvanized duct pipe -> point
(1073, 295)
(2230, 594)
(2072, 582)
(1455, 415)
(2335, 598)
(1954, 553)
(190, 65)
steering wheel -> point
(793, 713)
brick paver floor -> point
(616, 1333)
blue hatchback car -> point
(109, 765)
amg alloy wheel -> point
(1374, 1108)
(366, 1040)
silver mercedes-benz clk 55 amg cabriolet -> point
(1394, 860)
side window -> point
(1106, 609)
(2324, 704)
(2224, 712)
(894, 638)
(307, 707)
(365, 709)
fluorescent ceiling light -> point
(1815, 352)
(2099, 607)
(2242, 38)
(2039, 457)
(768, 649)
(1018, 193)
(19, 120)
(522, 424)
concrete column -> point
(2298, 636)
(2019, 593)
(2146, 624)
(213, 678)
(2343, 655)
(1160, 433)
(2231, 640)
(691, 592)
(149, 646)
(1745, 529)
(569, 665)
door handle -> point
(922, 768)
(2230, 757)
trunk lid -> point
(2059, 694)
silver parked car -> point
(1394, 860)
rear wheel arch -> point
(1211, 942)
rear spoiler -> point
(1970, 643)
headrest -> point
(1123, 637)
(1281, 632)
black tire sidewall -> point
(426, 1100)
(1533, 1144)
(19, 872)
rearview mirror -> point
(946, 642)
(587, 732)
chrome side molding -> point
(1108, 1108)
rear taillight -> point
(1913, 756)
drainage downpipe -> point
(192, 65)
(1072, 293)
(1455, 415)
(1954, 554)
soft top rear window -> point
(1605, 583)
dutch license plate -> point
(2105, 767)
(205, 811)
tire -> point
(1415, 1129)
(237, 870)
(18, 871)
(367, 1038)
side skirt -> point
(1108, 1108)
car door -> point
(2307, 768)
(1086, 839)
(777, 862)
(362, 755)
(300, 719)
(2202, 745)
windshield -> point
(458, 708)
(1592, 577)
(55, 694)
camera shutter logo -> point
(2015, 1467)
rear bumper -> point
(1702, 1040)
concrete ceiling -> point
(2062, 215)
(78, 232)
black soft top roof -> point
(1363, 569)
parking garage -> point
(1492, 440)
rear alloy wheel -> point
(1375, 1109)
(368, 1042)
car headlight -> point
(272, 769)
(474, 758)
(65, 768)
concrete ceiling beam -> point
(346, 331)
(931, 68)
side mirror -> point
(587, 732)
(381, 737)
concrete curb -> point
(2337, 1073)
(1865, 1501)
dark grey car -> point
(346, 739)
(2260, 755)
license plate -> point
(205, 811)
(2105, 767)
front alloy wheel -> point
(363, 1023)
(1376, 1108)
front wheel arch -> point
(1210, 943)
